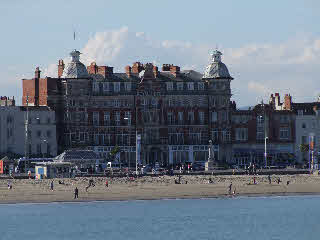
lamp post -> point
(129, 165)
(26, 143)
(265, 133)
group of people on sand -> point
(76, 190)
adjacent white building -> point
(307, 127)
(42, 131)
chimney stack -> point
(137, 67)
(60, 68)
(155, 71)
(166, 67)
(92, 69)
(287, 102)
(175, 70)
(105, 71)
(37, 73)
(128, 71)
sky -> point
(268, 46)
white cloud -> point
(259, 69)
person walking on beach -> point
(269, 178)
(107, 183)
(9, 185)
(76, 193)
(51, 185)
(230, 188)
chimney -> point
(166, 67)
(105, 71)
(155, 71)
(128, 71)
(137, 67)
(175, 70)
(60, 68)
(37, 73)
(92, 69)
(287, 102)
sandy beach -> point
(160, 187)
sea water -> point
(225, 218)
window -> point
(191, 117)
(95, 87)
(106, 87)
(190, 86)
(200, 86)
(304, 125)
(180, 86)
(169, 86)
(48, 149)
(95, 118)
(225, 135)
(284, 133)
(38, 148)
(213, 101)
(224, 116)
(38, 120)
(170, 118)
(304, 140)
(128, 87)
(144, 102)
(215, 135)
(260, 119)
(201, 117)
(106, 118)
(180, 117)
(117, 103)
(127, 116)
(38, 133)
(300, 112)
(284, 118)
(241, 134)
(214, 116)
(117, 118)
(48, 120)
(48, 133)
(116, 86)
(154, 101)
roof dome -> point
(216, 69)
(75, 69)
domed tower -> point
(75, 69)
(218, 82)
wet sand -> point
(148, 188)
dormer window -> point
(106, 87)
(116, 86)
(169, 86)
(96, 87)
(191, 86)
(180, 86)
(201, 86)
(128, 87)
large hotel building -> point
(174, 112)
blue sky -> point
(269, 46)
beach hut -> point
(53, 170)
